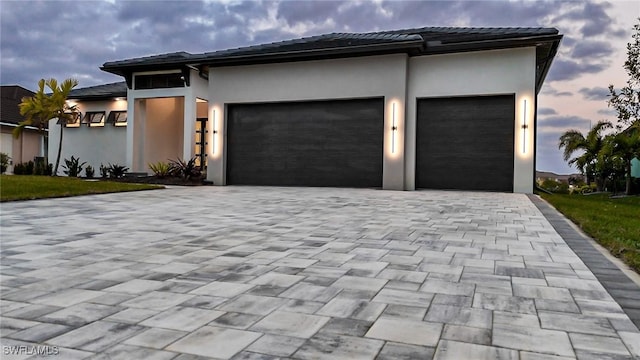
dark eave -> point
(413, 42)
(100, 92)
(410, 46)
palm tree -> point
(625, 145)
(42, 107)
(573, 141)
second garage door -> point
(465, 143)
(319, 143)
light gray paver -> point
(215, 342)
(406, 331)
(290, 324)
(262, 273)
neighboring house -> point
(546, 175)
(635, 168)
(31, 143)
(438, 108)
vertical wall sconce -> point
(215, 130)
(394, 128)
(524, 128)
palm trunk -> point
(55, 169)
(628, 176)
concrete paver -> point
(268, 272)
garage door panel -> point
(465, 143)
(321, 143)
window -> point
(94, 118)
(75, 122)
(159, 81)
(117, 118)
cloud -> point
(555, 122)
(551, 91)
(597, 93)
(569, 69)
(546, 111)
(608, 112)
(592, 49)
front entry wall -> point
(484, 73)
(400, 81)
(341, 79)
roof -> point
(414, 42)
(11, 97)
(106, 91)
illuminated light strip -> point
(524, 128)
(215, 130)
(394, 128)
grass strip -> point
(28, 187)
(612, 222)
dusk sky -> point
(61, 39)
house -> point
(435, 107)
(31, 142)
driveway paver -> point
(269, 272)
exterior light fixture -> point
(524, 128)
(394, 128)
(215, 130)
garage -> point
(313, 143)
(465, 143)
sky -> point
(62, 39)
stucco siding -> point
(495, 72)
(376, 76)
(94, 145)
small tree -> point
(574, 141)
(626, 102)
(624, 146)
(42, 107)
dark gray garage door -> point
(319, 143)
(465, 143)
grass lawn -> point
(614, 223)
(25, 187)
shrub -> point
(4, 162)
(104, 171)
(161, 169)
(23, 168)
(73, 167)
(89, 172)
(41, 167)
(186, 169)
(117, 171)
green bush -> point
(89, 172)
(116, 171)
(161, 169)
(186, 169)
(73, 167)
(104, 171)
(4, 162)
(42, 168)
(23, 168)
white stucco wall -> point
(163, 129)
(495, 72)
(376, 76)
(94, 145)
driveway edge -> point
(624, 290)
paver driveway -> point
(309, 273)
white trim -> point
(16, 125)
